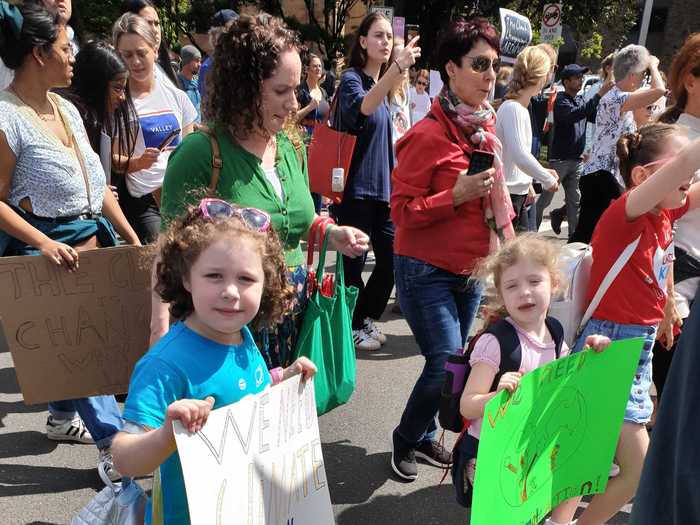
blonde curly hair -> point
(532, 65)
(490, 270)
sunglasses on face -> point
(481, 64)
(255, 219)
(421, 83)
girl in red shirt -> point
(657, 166)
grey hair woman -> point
(601, 181)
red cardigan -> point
(428, 226)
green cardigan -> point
(242, 182)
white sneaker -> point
(371, 330)
(68, 430)
(107, 465)
(363, 341)
(614, 470)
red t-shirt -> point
(638, 293)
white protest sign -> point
(258, 461)
(551, 23)
(516, 34)
(435, 83)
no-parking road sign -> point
(551, 23)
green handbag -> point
(325, 336)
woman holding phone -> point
(165, 116)
(443, 206)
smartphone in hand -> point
(168, 139)
(480, 161)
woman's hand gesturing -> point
(408, 55)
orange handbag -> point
(330, 152)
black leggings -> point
(372, 217)
(598, 190)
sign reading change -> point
(258, 461)
(554, 437)
(75, 334)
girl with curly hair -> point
(221, 269)
(513, 127)
(262, 165)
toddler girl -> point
(221, 268)
(525, 275)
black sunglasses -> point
(481, 64)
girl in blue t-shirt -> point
(220, 268)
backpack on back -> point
(457, 371)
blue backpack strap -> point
(509, 343)
(556, 330)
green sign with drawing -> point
(554, 437)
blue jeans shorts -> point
(639, 405)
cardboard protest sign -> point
(516, 34)
(77, 334)
(258, 461)
(554, 437)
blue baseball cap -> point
(223, 17)
(573, 70)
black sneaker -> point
(434, 453)
(556, 217)
(403, 459)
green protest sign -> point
(554, 437)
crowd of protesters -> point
(106, 142)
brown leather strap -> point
(216, 161)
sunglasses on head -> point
(481, 64)
(255, 219)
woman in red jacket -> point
(445, 222)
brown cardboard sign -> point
(77, 334)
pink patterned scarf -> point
(479, 129)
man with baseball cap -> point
(571, 112)
(220, 22)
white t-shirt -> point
(166, 108)
(400, 122)
(520, 166)
(687, 236)
(274, 180)
(610, 125)
(419, 104)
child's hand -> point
(597, 342)
(192, 413)
(301, 366)
(509, 381)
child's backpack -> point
(457, 368)
(457, 372)
(570, 307)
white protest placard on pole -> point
(258, 461)
(435, 83)
(551, 23)
(516, 34)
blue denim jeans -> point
(100, 414)
(639, 405)
(440, 307)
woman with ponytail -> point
(514, 129)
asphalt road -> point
(42, 482)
